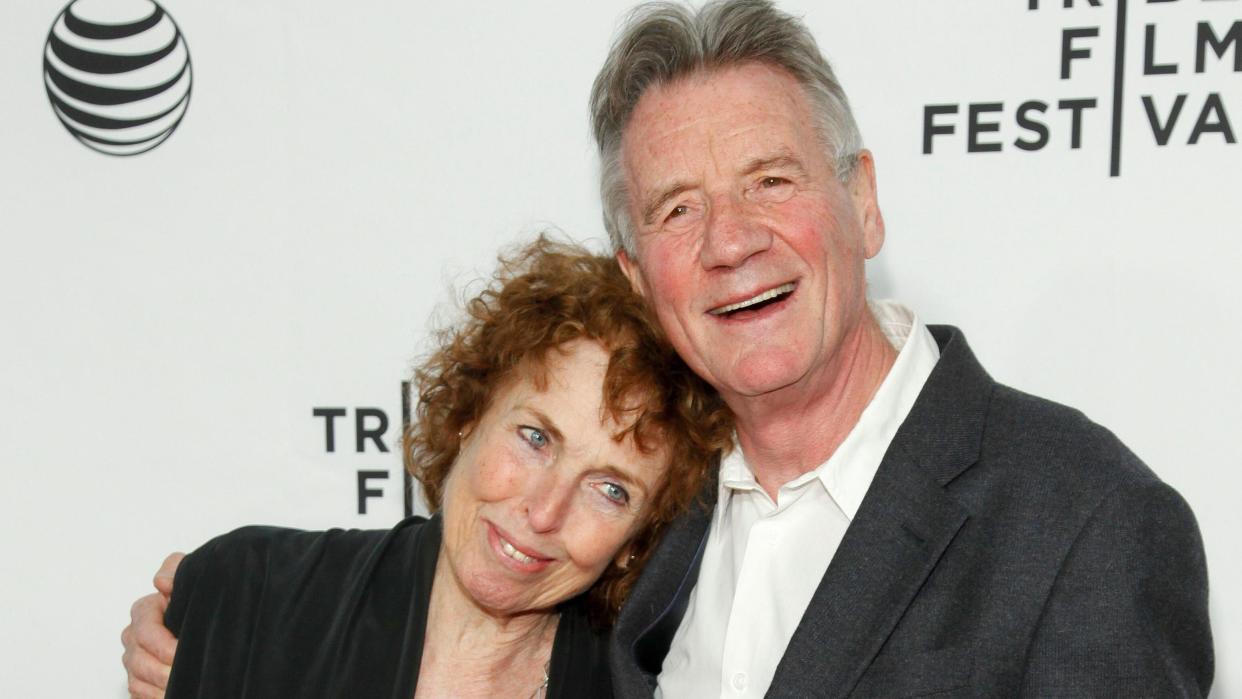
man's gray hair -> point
(661, 42)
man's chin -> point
(760, 375)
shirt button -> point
(739, 681)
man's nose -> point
(732, 234)
(549, 497)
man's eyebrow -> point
(657, 201)
(783, 159)
(780, 160)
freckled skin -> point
(732, 231)
(535, 466)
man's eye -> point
(772, 182)
(677, 211)
(616, 493)
(772, 189)
(534, 436)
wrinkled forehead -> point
(721, 119)
(563, 367)
(616, 381)
(718, 94)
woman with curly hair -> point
(556, 435)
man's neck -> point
(794, 430)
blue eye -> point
(615, 493)
(534, 436)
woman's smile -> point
(518, 558)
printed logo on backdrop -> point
(118, 74)
(362, 434)
(1178, 37)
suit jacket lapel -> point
(903, 525)
(888, 551)
(649, 618)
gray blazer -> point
(1007, 547)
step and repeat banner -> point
(230, 226)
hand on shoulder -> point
(149, 647)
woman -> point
(556, 434)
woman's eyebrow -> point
(621, 475)
(545, 422)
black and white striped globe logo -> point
(118, 74)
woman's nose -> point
(548, 500)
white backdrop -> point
(172, 319)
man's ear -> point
(633, 272)
(867, 204)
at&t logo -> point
(117, 73)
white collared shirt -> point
(758, 572)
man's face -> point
(748, 246)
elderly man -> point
(895, 523)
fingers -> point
(168, 569)
(142, 690)
(149, 647)
(147, 676)
(147, 630)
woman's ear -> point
(624, 557)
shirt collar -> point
(848, 473)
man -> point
(894, 522)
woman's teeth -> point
(514, 553)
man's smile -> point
(760, 300)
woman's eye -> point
(534, 436)
(616, 493)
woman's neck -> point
(471, 652)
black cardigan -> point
(266, 612)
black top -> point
(267, 612)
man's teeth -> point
(514, 553)
(769, 294)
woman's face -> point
(542, 497)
